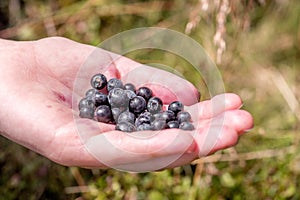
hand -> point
(40, 79)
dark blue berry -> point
(154, 105)
(176, 107)
(186, 126)
(131, 109)
(116, 112)
(183, 116)
(98, 81)
(144, 127)
(103, 114)
(91, 92)
(130, 94)
(86, 102)
(86, 112)
(118, 97)
(100, 99)
(158, 124)
(144, 118)
(125, 127)
(137, 104)
(129, 86)
(167, 115)
(126, 116)
(173, 124)
(114, 83)
(144, 92)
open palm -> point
(40, 85)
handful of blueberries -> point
(130, 109)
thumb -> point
(169, 87)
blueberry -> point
(86, 102)
(125, 127)
(126, 116)
(173, 124)
(114, 83)
(86, 112)
(129, 86)
(100, 98)
(167, 115)
(137, 105)
(116, 112)
(117, 97)
(154, 105)
(91, 92)
(158, 115)
(98, 81)
(103, 114)
(183, 116)
(186, 126)
(176, 107)
(144, 92)
(144, 127)
(130, 94)
(130, 109)
(158, 124)
(144, 118)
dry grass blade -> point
(286, 91)
(77, 189)
(77, 175)
(269, 153)
(82, 186)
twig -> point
(77, 189)
(286, 92)
(269, 153)
(76, 174)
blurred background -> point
(256, 45)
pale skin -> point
(36, 88)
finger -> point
(209, 139)
(213, 138)
(228, 138)
(169, 87)
(140, 151)
(215, 106)
(238, 120)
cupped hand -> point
(42, 81)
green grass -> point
(261, 64)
